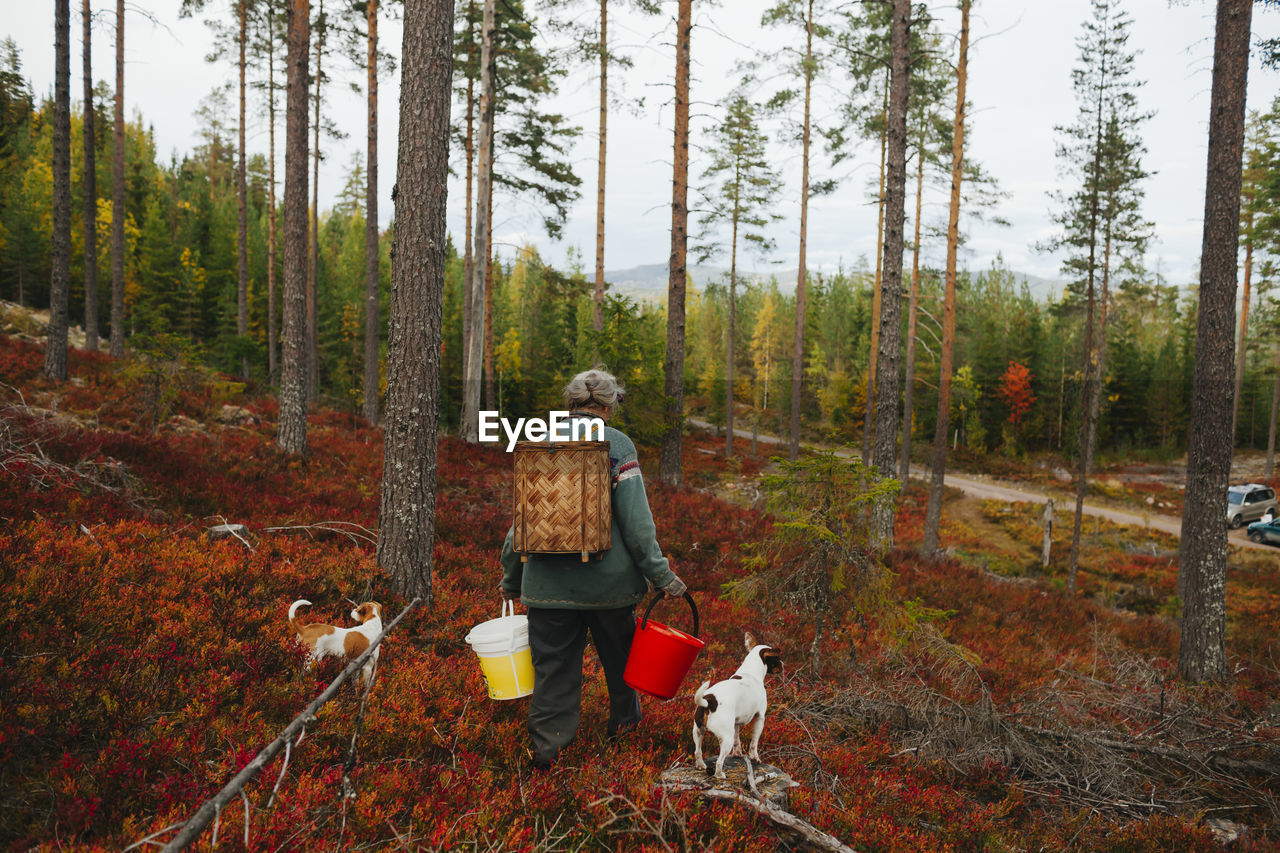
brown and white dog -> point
(332, 641)
(727, 705)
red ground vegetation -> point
(145, 664)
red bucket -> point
(661, 655)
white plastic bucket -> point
(502, 645)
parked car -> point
(1265, 532)
(1249, 503)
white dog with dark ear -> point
(333, 641)
(726, 706)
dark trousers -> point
(557, 639)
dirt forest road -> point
(987, 488)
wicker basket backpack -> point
(563, 499)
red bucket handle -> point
(687, 597)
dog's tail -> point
(293, 612)
(704, 703)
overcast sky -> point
(1019, 84)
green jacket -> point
(622, 576)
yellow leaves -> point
(507, 355)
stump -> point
(772, 782)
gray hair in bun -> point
(593, 387)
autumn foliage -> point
(1015, 391)
(145, 664)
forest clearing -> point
(961, 428)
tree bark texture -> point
(292, 436)
(468, 272)
(473, 346)
(597, 317)
(272, 363)
(371, 318)
(868, 413)
(242, 207)
(313, 265)
(406, 526)
(90, 192)
(55, 353)
(797, 354)
(1275, 415)
(1202, 552)
(729, 341)
(117, 195)
(933, 511)
(885, 441)
(488, 306)
(669, 464)
(909, 382)
(1242, 350)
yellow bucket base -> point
(509, 676)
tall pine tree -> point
(1101, 221)
(739, 191)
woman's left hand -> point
(676, 588)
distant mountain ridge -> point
(648, 282)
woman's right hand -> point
(510, 596)
(676, 588)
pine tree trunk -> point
(117, 195)
(1092, 374)
(797, 354)
(292, 435)
(90, 193)
(868, 417)
(1202, 553)
(55, 353)
(242, 210)
(468, 260)
(406, 521)
(313, 266)
(885, 441)
(598, 298)
(372, 321)
(272, 363)
(933, 511)
(1242, 350)
(669, 464)
(729, 348)
(908, 385)
(473, 346)
(1275, 414)
(489, 402)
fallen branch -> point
(195, 825)
(349, 529)
(811, 835)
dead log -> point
(809, 834)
